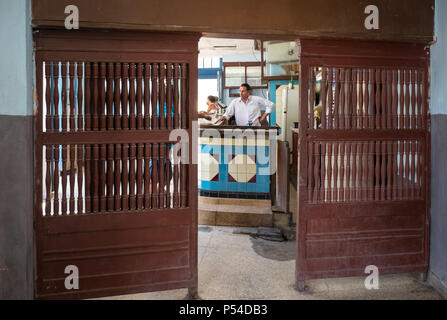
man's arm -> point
(269, 106)
(229, 113)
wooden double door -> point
(115, 213)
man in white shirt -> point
(247, 108)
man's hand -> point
(222, 118)
(262, 118)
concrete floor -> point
(239, 267)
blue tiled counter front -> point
(234, 166)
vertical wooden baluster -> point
(140, 123)
(401, 100)
(95, 182)
(154, 177)
(323, 99)
(364, 98)
(64, 70)
(176, 176)
(395, 105)
(140, 192)
(413, 167)
(365, 160)
(348, 172)
(132, 180)
(124, 97)
(337, 99)
(330, 123)
(348, 93)
(56, 96)
(64, 179)
(168, 175)
(147, 96)
(117, 184)
(80, 158)
(79, 66)
(56, 176)
(162, 104)
(389, 157)
(110, 96)
(383, 168)
(361, 84)
(389, 109)
(184, 95)
(401, 169)
(395, 170)
(371, 170)
(311, 100)
(117, 102)
(176, 96)
(353, 181)
(377, 172)
(169, 96)
(336, 179)
(316, 172)
(330, 198)
(342, 172)
(372, 100)
(407, 169)
(413, 99)
(424, 104)
(323, 172)
(95, 117)
(88, 109)
(110, 176)
(147, 176)
(419, 99)
(310, 175)
(355, 107)
(360, 171)
(162, 171)
(342, 105)
(102, 97)
(48, 93)
(48, 179)
(407, 100)
(72, 149)
(103, 178)
(378, 80)
(124, 188)
(184, 183)
(155, 116)
(71, 78)
(88, 179)
(384, 113)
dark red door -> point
(363, 175)
(110, 200)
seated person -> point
(213, 108)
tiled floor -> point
(235, 266)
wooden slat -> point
(110, 96)
(348, 173)
(168, 175)
(72, 117)
(413, 80)
(342, 106)
(154, 177)
(348, 93)
(125, 96)
(323, 173)
(407, 98)
(337, 99)
(95, 98)
(384, 107)
(335, 195)
(162, 96)
(169, 93)
(155, 119)
(80, 178)
(117, 184)
(64, 179)
(372, 100)
(330, 122)
(48, 178)
(88, 181)
(132, 96)
(147, 96)
(118, 108)
(88, 109)
(140, 182)
(132, 177)
(341, 192)
(183, 108)
(102, 97)
(377, 171)
(147, 176)
(79, 70)
(365, 159)
(310, 168)
(56, 95)
(317, 165)
(383, 169)
(140, 122)
(330, 197)
(64, 73)
(371, 170)
(162, 175)
(103, 177)
(355, 107)
(95, 179)
(72, 153)
(125, 178)
(110, 176)
(389, 104)
(312, 98)
(176, 96)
